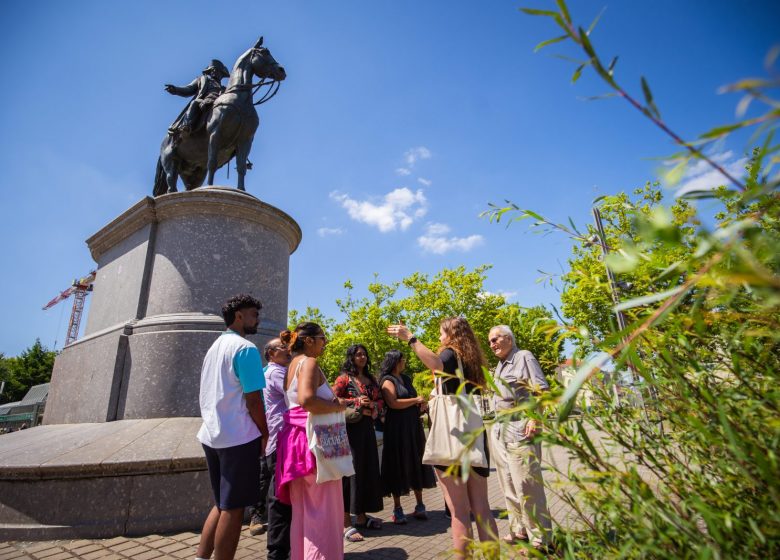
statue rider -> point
(205, 89)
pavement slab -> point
(423, 540)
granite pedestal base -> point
(117, 454)
(165, 268)
(98, 480)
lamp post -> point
(613, 290)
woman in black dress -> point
(361, 492)
(404, 440)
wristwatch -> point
(412, 340)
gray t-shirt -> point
(517, 377)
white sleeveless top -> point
(291, 395)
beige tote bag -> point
(455, 421)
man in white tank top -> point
(234, 431)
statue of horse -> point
(229, 131)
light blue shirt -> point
(249, 369)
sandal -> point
(352, 535)
(371, 523)
(512, 538)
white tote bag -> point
(327, 435)
(455, 420)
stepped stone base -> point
(93, 480)
(165, 266)
(117, 454)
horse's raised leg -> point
(242, 153)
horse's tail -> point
(160, 183)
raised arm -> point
(186, 91)
(428, 357)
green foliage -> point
(699, 465)
(31, 367)
(755, 91)
(644, 264)
(421, 302)
(692, 474)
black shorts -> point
(481, 471)
(234, 473)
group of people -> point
(249, 414)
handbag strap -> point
(298, 367)
(459, 372)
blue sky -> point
(398, 123)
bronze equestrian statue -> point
(205, 89)
(216, 125)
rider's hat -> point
(219, 67)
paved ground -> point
(417, 539)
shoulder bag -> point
(456, 435)
(328, 441)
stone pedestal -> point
(99, 480)
(165, 267)
(117, 454)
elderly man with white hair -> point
(515, 453)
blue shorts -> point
(234, 473)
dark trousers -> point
(277, 514)
(259, 511)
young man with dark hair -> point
(234, 431)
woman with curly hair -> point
(358, 388)
(458, 342)
(404, 439)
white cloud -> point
(700, 176)
(325, 231)
(423, 181)
(435, 240)
(403, 171)
(413, 155)
(506, 294)
(398, 209)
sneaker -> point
(419, 512)
(398, 516)
(257, 527)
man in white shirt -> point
(515, 453)
(234, 431)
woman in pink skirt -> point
(317, 509)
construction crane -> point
(79, 290)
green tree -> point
(5, 375)
(31, 367)
(642, 265)
(421, 302)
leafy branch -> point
(754, 89)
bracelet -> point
(412, 340)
